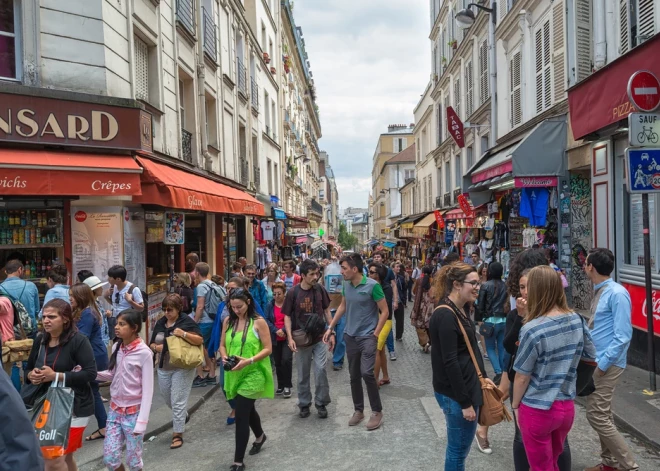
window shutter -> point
(457, 97)
(645, 20)
(468, 90)
(515, 91)
(483, 72)
(141, 69)
(624, 31)
(558, 54)
(502, 10)
(583, 38)
(439, 124)
(404, 143)
(447, 103)
(543, 70)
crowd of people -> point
(243, 333)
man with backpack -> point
(209, 297)
(122, 295)
(21, 292)
(306, 310)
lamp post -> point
(466, 18)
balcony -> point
(446, 200)
(185, 15)
(245, 172)
(186, 146)
(315, 207)
(242, 77)
(254, 94)
(287, 120)
(257, 177)
(457, 192)
(210, 39)
(438, 201)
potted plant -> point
(453, 44)
(443, 60)
(272, 70)
(266, 58)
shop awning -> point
(279, 214)
(454, 214)
(426, 221)
(602, 98)
(389, 245)
(173, 188)
(371, 242)
(38, 173)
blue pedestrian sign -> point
(643, 167)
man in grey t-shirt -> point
(204, 286)
(362, 300)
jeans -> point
(340, 347)
(390, 342)
(317, 354)
(499, 357)
(544, 433)
(247, 418)
(283, 359)
(99, 409)
(460, 433)
(361, 354)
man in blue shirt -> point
(611, 331)
(257, 288)
(20, 290)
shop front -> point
(612, 218)
(515, 189)
(269, 233)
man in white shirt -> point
(121, 295)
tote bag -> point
(52, 417)
(184, 355)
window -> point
(273, 116)
(409, 174)
(636, 23)
(543, 67)
(439, 125)
(429, 194)
(10, 56)
(263, 38)
(484, 145)
(457, 97)
(447, 177)
(269, 170)
(141, 69)
(469, 157)
(583, 39)
(483, 72)
(400, 143)
(182, 107)
(267, 117)
(445, 132)
(515, 103)
(424, 198)
(276, 183)
(458, 177)
(468, 90)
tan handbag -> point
(492, 411)
(183, 354)
(17, 350)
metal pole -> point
(649, 296)
(493, 74)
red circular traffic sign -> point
(644, 90)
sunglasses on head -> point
(237, 292)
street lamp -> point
(466, 18)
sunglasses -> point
(373, 272)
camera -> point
(230, 363)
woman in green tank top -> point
(245, 336)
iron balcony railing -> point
(447, 200)
(241, 77)
(186, 145)
(316, 207)
(185, 14)
(254, 92)
(457, 192)
(210, 39)
(438, 200)
(245, 172)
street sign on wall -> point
(643, 170)
(643, 129)
(644, 90)
(455, 127)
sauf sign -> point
(73, 123)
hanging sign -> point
(464, 203)
(438, 219)
(455, 127)
(450, 228)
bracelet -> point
(184, 334)
(252, 361)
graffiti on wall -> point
(581, 230)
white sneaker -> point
(392, 356)
(483, 445)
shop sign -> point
(492, 172)
(39, 120)
(450, 228)
(407, 225)
(174, 228)
(640, 309)
(465, 205)
(21, 181)
(438, 219)
(535, 182)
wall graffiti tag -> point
(581, 236)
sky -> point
(371, 62)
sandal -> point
(177, 442)
(99, 436)
(383, 382)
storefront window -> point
(633, 236)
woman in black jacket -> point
(455, 378)
(63, 353)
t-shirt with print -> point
(119, 302)
(299, 302)
(202, 290)
(267, 229)
(361, 306)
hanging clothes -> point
(534, 205)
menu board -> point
(636, 235)
(96, 239)
(135, 247)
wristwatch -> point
(252, 361)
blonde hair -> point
(183, 279)
(545, 293)
(443, 281)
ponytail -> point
(443, 281)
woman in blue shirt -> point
(90, 323)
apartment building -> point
(328, 196)
(421, 196)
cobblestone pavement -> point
(413, 436)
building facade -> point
(328, 196)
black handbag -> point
(31, 393)
(486, 329)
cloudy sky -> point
(371, 62)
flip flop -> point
(383, 382)
(177, 442)
(91, 438)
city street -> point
(413, 436)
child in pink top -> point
(132, 374)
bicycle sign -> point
(643, 170)
(643, 129)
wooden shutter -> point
(141, 69)
(468, 90)
(558, 51)
(457, 97)
(447, 103)
(515, 102)
(439, 124)
(645, 20)
(483, 72)
(543, 69)
(624, 27)
(584, 46)
(502, 8)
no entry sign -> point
(644, 90)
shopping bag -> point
(51, 418)
(184, 355)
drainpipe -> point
(600, 43)
(206, 160)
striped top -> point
(550, 350)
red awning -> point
(454, 214)
(173, 188)
(602, 99)
(37, 172)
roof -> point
(405, 156)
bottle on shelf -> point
(33, 269)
